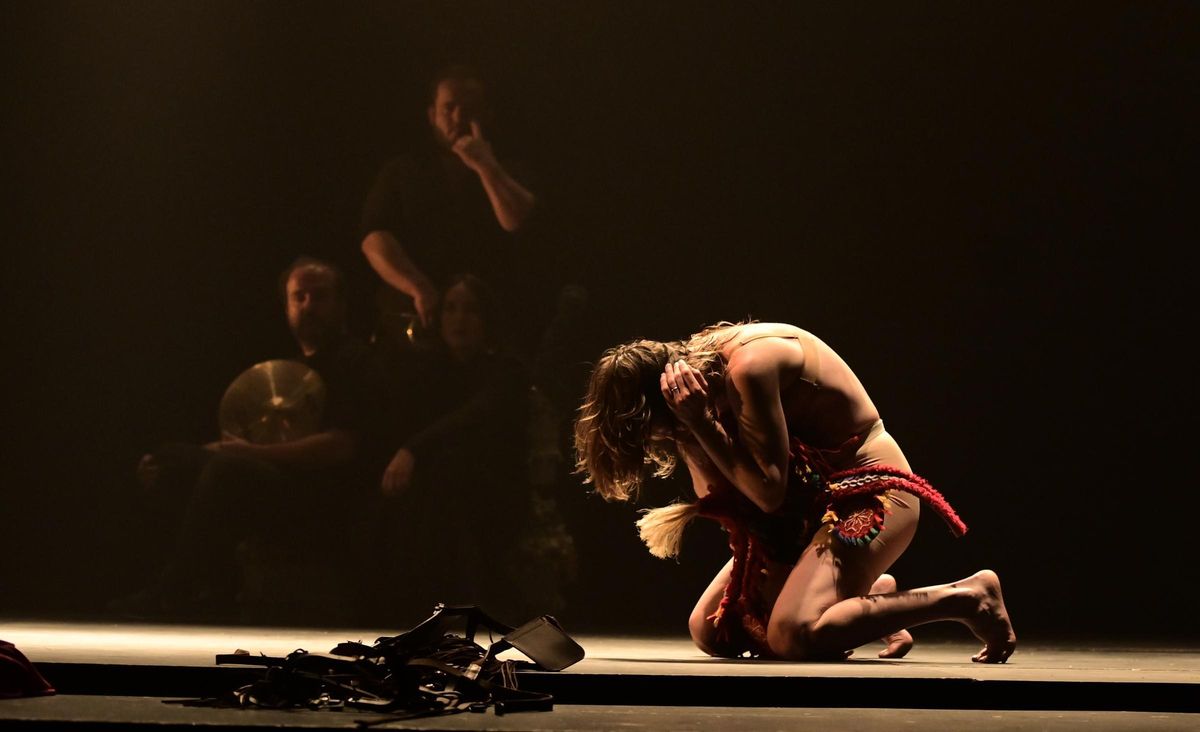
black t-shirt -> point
(437, 209)
(354, 384)
(475, 408)
(469, 438)
(440, 214)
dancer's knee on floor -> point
(790, 639)
(801, 640)
(704, 635)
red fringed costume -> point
(849, 504)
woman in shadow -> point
(460, 479)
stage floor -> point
(109, 673)
(196, 646)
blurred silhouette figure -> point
(232, 489)
(468, 526)
(448, 205)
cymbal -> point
(273, 401)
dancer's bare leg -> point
(900, 528)
(815, 618)
(898, 643)
(976, 601)
(826, 607)
(704, 634)
(829, 572)
(703, 631)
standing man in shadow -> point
(449, 205)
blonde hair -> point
(613, 430)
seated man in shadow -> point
(465, 525)
(232, 489)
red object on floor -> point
(18, 677)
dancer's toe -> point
(991, 623)
(898, 645)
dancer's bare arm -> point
(754, 394)
(705, 474)
(756, 463)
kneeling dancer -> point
(788, 452)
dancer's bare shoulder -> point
(763, 350)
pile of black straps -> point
(435, 668)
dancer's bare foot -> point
(898, 643)
(990, 621)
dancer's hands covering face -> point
(686, 392)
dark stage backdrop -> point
(980, 205)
